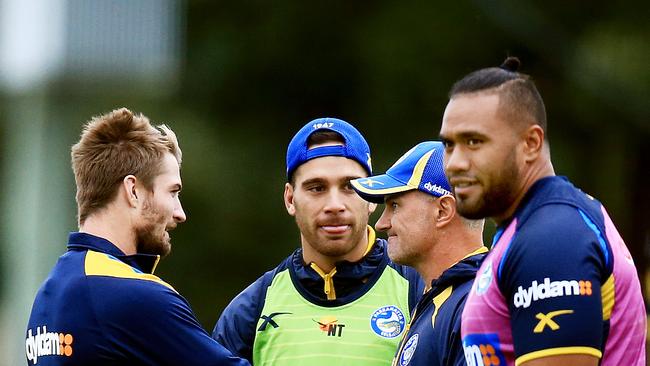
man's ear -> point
(446, 211)
(533, 143)
(371, 208)
(288, 199)
(130, 190)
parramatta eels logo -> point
(387, 321)
(484, 279)
(409, 350)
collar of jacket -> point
(348, 275)
(83, 241)
(460, 272)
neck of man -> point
(328, 263)
(112, 226)
(537, 170)
(452, 247)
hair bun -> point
(511, 64)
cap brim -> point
(374, 189)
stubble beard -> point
(148, 240)
(497, 198)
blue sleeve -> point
(151, 324)
(551, 277)
(235, 328)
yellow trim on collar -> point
(327, 278)
(372, 237)
(480, 250)
(558, 351)
(438, 301)
(101, 264)
(329, 289)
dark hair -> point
(321, 137)
(519, 98)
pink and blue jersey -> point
(558, 280)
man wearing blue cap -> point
(338, 299)
(425, 232)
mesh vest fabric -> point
(294, 331)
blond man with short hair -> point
(102, 304)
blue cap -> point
(355, 147)
(420, 168)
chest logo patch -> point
(330, 325)
(387, 321)
(484, 279)
(409, 350)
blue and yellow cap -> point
(355, 146)
(420, 168)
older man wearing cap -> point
(425, 232)
(338, 299)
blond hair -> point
(113, 146)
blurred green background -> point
(235, 80)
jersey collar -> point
(84, 241)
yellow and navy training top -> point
(101, 307)
(558, 280)
(432, 338)
(296, 314)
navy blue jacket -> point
(236, 326)
(433, 336)
(101, 307)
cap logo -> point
(322, 125)
(435, 188)
(369, 182)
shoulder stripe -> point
(510, 233)
(599, 235)
(558, 351)
(101, 264)
(438, 301)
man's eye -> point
(316, 188)
(473, 142)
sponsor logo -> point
(409, 350)
(329, 325)
(483, 350)
(548, 289)
(387, 321)
(547, 319)
(322, 125)
(435, 188)
(484, 279)
(268, 320)
(45, 343)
